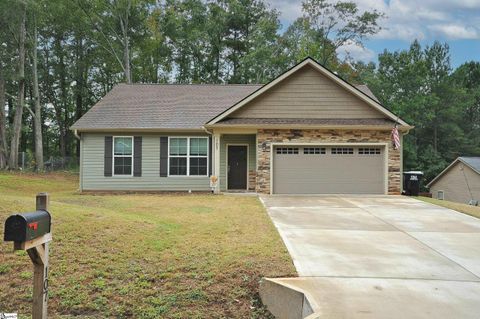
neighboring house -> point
(307, 131)
(459, 182)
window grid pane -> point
(369, 151)
(198, 147)
(188, 156)
(198, 166)
(314, 150)
(123, 146)
(342, 150)
(123, 166)
(287, 150)
(178, 166)
(178, 146)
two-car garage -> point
(329, 169)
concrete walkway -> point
(380, 256)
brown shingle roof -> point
(157, 106)
(473, 162)
(188, 106)
(305, 121)
(366, 90)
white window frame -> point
(188, 156)
(113, 157)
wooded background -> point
(58, 57)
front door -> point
(237, 167)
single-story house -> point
(306, 132)
(459, 182)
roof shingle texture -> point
(169, 106)
(177, 106)
(473, 162)
(366, 90)
(305, 121)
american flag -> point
(395, 138)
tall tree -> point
(115, 23)
(337, 24)
(36, 97)
(418, 85)
(3, 123)
(17, 121)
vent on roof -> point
(440, 195)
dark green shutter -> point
(137, 156)
(210, 155)
(163, 156)
(107, 157)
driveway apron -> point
(380, 256)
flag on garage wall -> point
(395, 138)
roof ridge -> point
(191, 84)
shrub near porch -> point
(144, 256)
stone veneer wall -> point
(267, 136)
(252, 180)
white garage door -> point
(329, 169)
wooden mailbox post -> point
(31, 232)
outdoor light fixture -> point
(264, 146)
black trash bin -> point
(411, 182)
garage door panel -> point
(299, 173)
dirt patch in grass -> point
(462, 208)
(143, 255)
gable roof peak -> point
(471, 161)
(327, 73)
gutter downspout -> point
(207, 131)
(212, 158)
(401, 157)
(75, 133)
(80, 173)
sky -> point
(456, 22)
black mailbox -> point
(27, 226)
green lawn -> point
(462, 208)
(143, 256)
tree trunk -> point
(79, 86)
(58, 107)
(3, 124)
(126, 59)
(126, 44)
(17, 121)
(38, 108)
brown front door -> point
(237, 167)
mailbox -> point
(27, 226)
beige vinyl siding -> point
(92, 161)
(307, 94)
(454, 186)
(235, 139)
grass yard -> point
(462, 208)
(143, 256)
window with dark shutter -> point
(137, 156)
(188, 156)
(210, 156)
(107, 157)
(163, 156)
(123, 155)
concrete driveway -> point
(380, 256)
